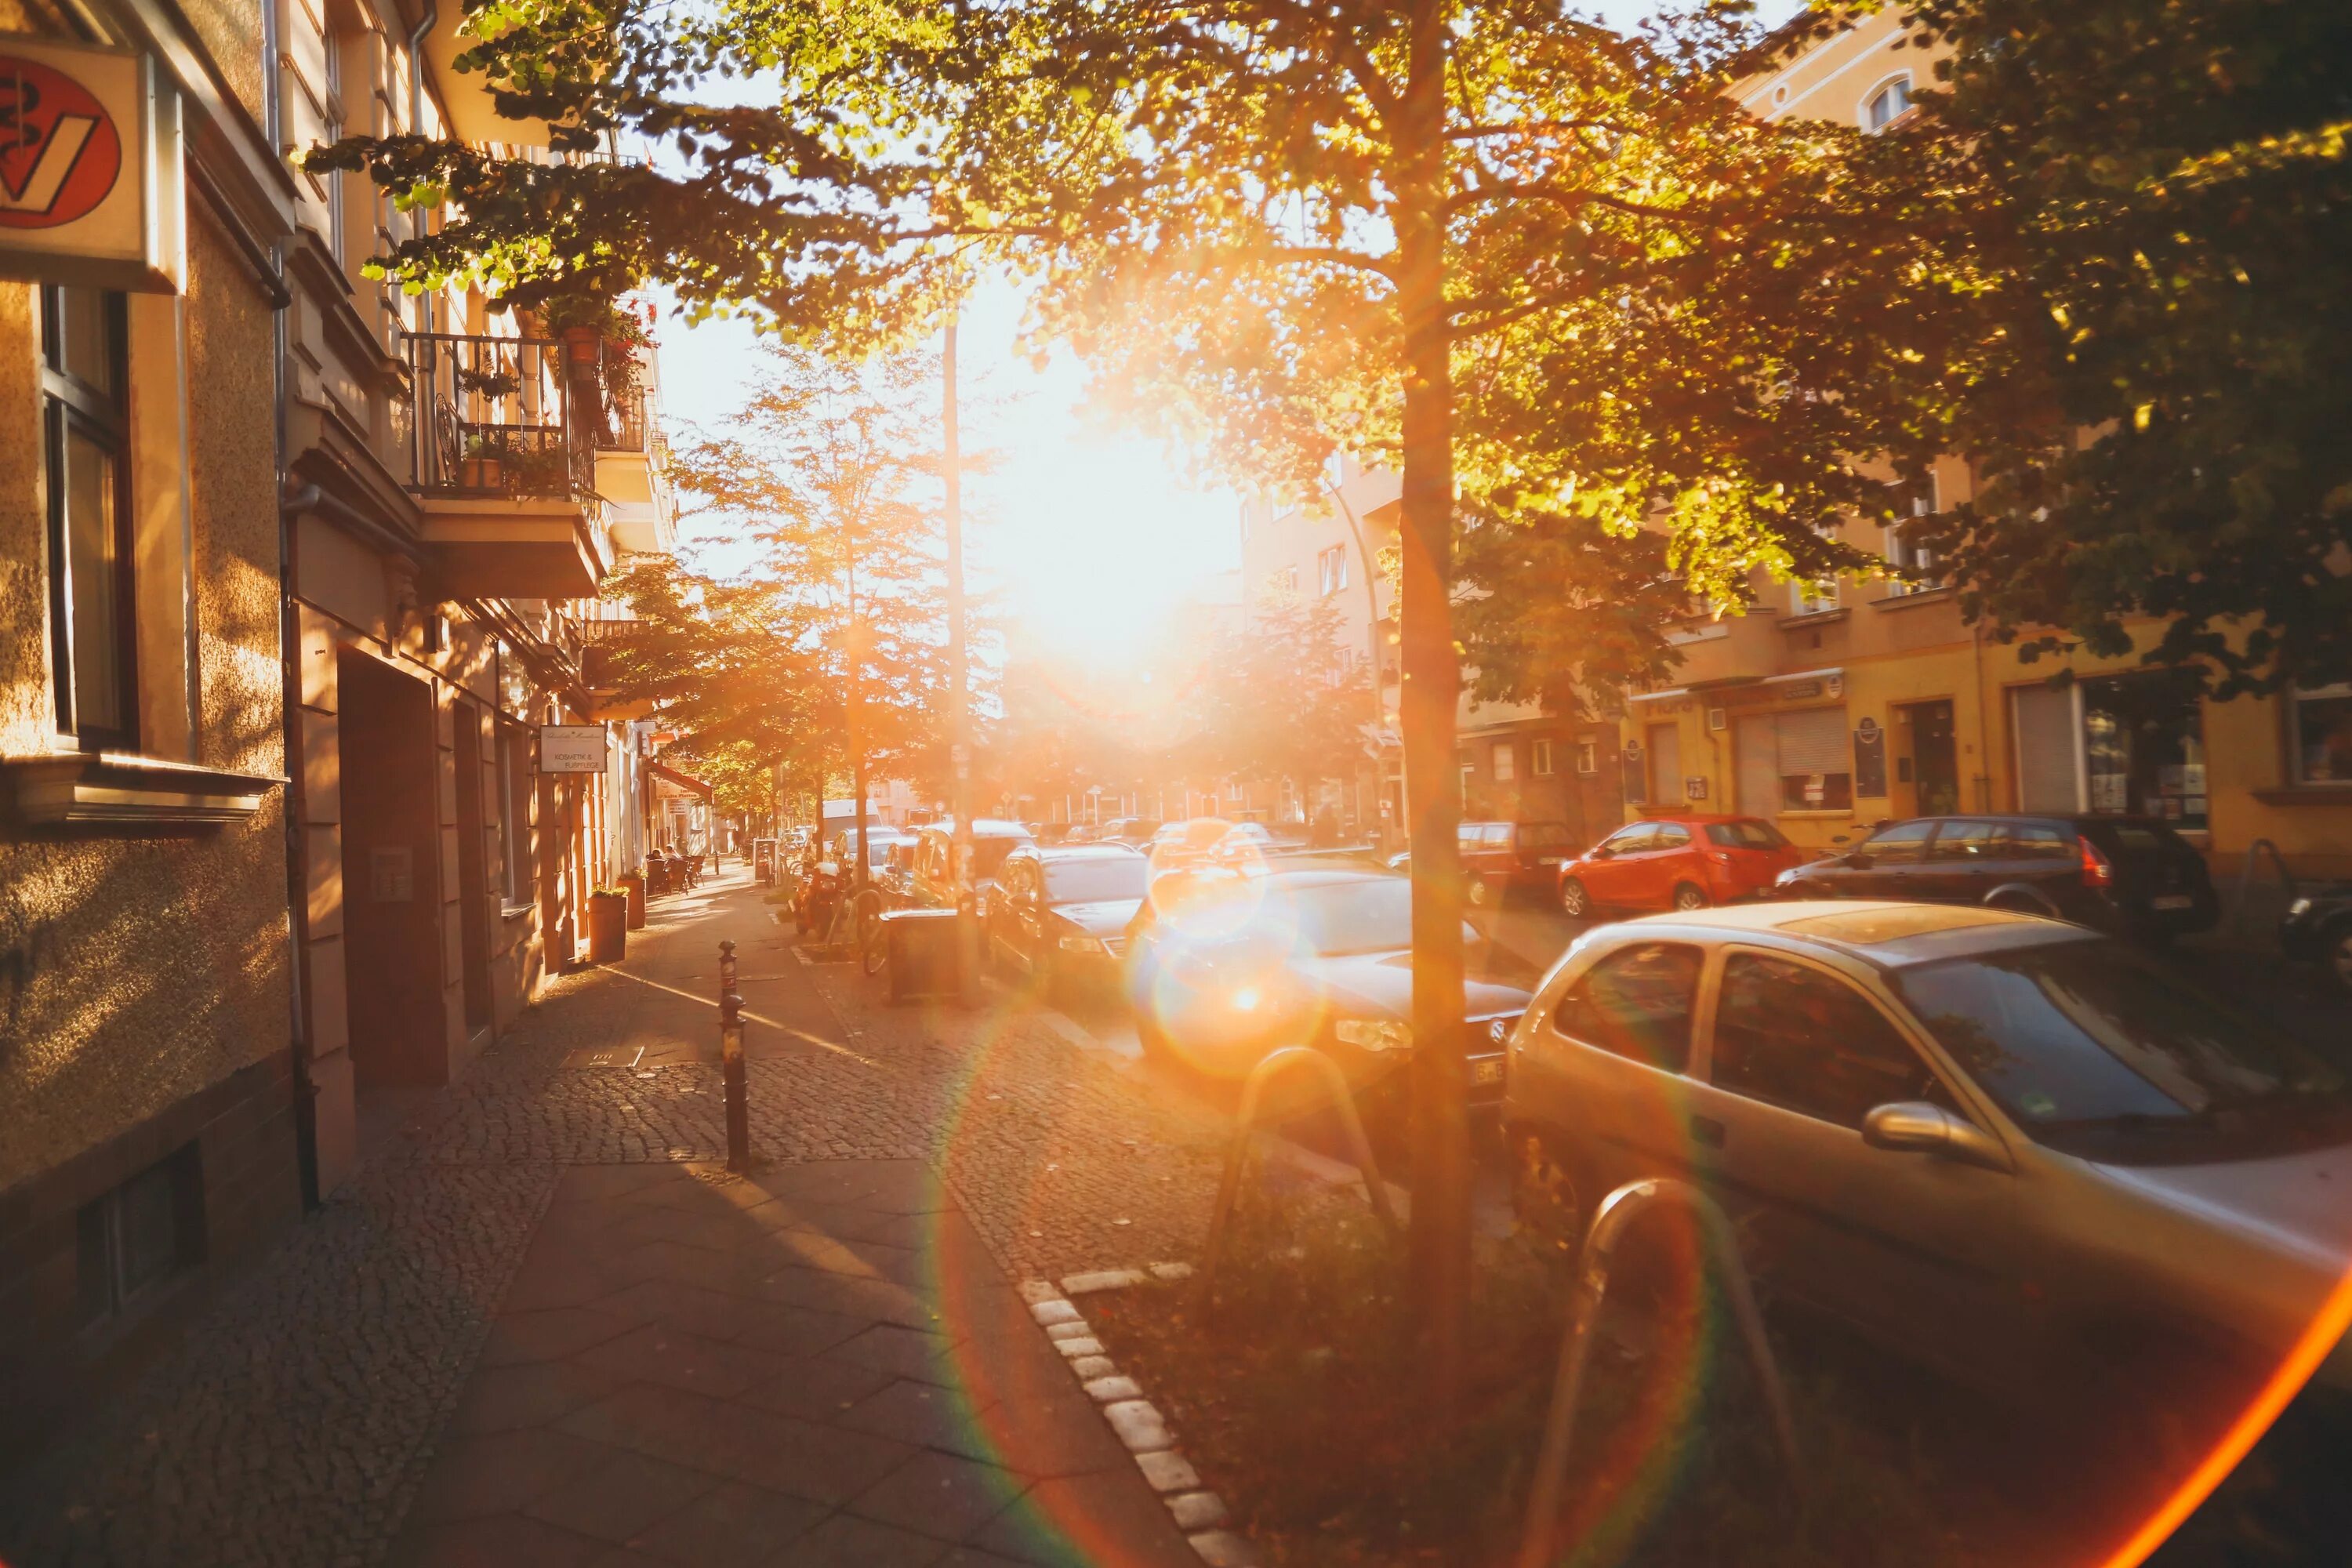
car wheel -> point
(2339, 954)
(1547, 1191)
(1574, 902)
(1690, 896)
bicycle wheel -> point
(873, 948)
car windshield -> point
(1083, 882)
(2087, 1037)
(1370, 914)
(988, 854)
(1746, 835)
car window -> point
(1543, 835)
(2087, 1037)
(1962, 844)
(1636, 1003)
(1499, 833)
(1746, 834)
(1800, 1038)
(2034, 841)
(1671, 836)
(1628, 841)
(1083, 882)
(1466, 835)
(1903, 844)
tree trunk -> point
(1432, 679)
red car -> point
(1676, 863)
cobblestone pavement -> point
(293, 1423)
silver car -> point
(2005, 1145)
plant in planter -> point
(483, 466)
(496, 383)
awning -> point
(684, 780)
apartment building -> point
(1831, 706)
(459, 481)
(1517, 762)
(148, 1068)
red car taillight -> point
(2097, 872)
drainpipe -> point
(417, 99)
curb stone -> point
(1201, 1515)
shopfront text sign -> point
(572, 748)
(91, 187)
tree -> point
(1291, 224)
(1275, 699)
(2162, 212)
(828, 653)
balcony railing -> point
(493, 418)
(621, 426)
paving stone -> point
(500, 1541)
(1077, 1347)
(675, 1359)
(940, 1494)
(1035, 1290)
(846, 1540)
(1078, 1331)
(624, 1495)
(819, 1389)
(731, 1526)
(921, 1413)
(501, 1472)
(1101, 1279)
(1112, 1389)
(1090, 1367)
(1167, 1471)
(1138, 1424)
(1172, 1271)
(1195, 1511)
(1054, 1311)
(1222, 1549)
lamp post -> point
(1373, 631)
(959, 694)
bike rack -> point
(1253, 1092)
(1618, 1211)
(2246, 881)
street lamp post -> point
(1373, 631)
(959, 695)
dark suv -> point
(1500, 858)
(2132, 876)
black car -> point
(931, 885)
(1060, 911)
(2318, 929)
(2130, 876)
(1225, 965)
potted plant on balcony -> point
(484, 464)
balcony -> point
(505, 473)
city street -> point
(545, 1325)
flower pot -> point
(481, 474)
(608, 927)
(634, 884)
(583, 345)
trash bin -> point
(608, 925)
(922, 948)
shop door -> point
(1935, 766)
(1756, 747)
(391, 882)
(1665, 745)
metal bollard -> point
(730, 1062)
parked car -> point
(1208, 841)
(933, 884)
(2129, 876)
(1135, 831)
(879, 841)
(2005, 1145)
(2318, 929)
(1500, 858)
(1224, 964)
(1060, 912)
(1684, 862)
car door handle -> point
(1706, 1129)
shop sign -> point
(91, 186)
(572, 748)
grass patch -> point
(1297, 1401)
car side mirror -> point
(1914, 1126)
(1600, 852)
(1856, 860)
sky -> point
(1090, 537)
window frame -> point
(1710, 1024)
(1504, 762)
(70, 407)
(2296, 697)
(1539, 763)
(1893, 83)
(1695, 1024)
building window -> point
(1792, 762)
(514, 827)
(1588, 757)
(1539, 758)
(1906, 554)
(1888, 105)
(1331, 570)
(94, 627)
(2129, 744)
(2322, 721)
(1813, 598)
(1505, 766)
(138, 1235)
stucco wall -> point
(139, 968)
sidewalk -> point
(545, 1325)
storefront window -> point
(2322, 720)
(1793, 762)
(2144, 747)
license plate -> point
(1548, 860)
(2172, 902)
(1485, 1072)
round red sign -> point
(59, 152)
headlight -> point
(1374, 1034)
(1083, 945)
(1785, 877)
(2297, 910)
